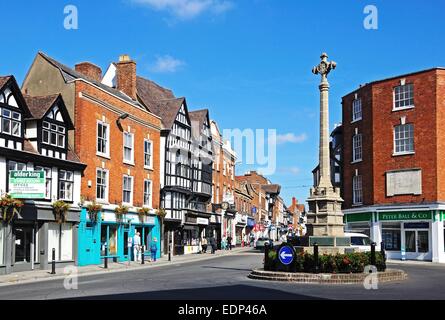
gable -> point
(11, 96)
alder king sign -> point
(27, 184)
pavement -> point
(61, 273)
(224, 277)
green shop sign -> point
(358, 217)
(27, 184)
(409, 215)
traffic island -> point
(390, 275)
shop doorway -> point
(417, 244)
(23, 253)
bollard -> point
(142, 255)
(53, 263)
(106, 258)
(372, 255)
(266, 256)
(383, 252)
(316, 257)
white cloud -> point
(290, 138)
(187, 9)
(166, 64)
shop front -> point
(27, 242)
(105, 236)
(229, 225)
(240, 228)
(250, 233)
(410, 235)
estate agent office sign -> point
(27, 184)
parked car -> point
(360, 242)
(261, 243)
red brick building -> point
(394, 164)
(118, 137)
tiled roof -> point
(3, 80)
(271, 188)
(167, 110)
(70, 155)
(71, 74)
(40, 105)
(197, 117)
(150, 92)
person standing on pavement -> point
(137, 246)
(229, 242)
(154, 249)
(213, 244)
(204, 245)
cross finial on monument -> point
(324, 67)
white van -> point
(361, 242)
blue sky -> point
(248, 61)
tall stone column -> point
(325, 217)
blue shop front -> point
(105, 232)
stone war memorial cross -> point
(325, 218)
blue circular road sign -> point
(286, 255)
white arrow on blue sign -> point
(286, 255)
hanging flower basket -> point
(60, 210)
(143, 212)
(93, 210)
(120, 211)
(161, 213)
(9, 208)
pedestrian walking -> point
(224, 244)
(213, 244)
(204, 245)
(229, 242)
(137, 246)
(154, 249)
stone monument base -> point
(326, 245)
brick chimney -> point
(294, 202)
(126, 76)
(89, 70)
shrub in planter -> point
(9, 208)
(338, 263)
(93, 210)
(60, 209)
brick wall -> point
(377, 128)
(87, 115)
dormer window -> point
(53, 134)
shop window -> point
(391, 236)
(109, 238)
(60, 238)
